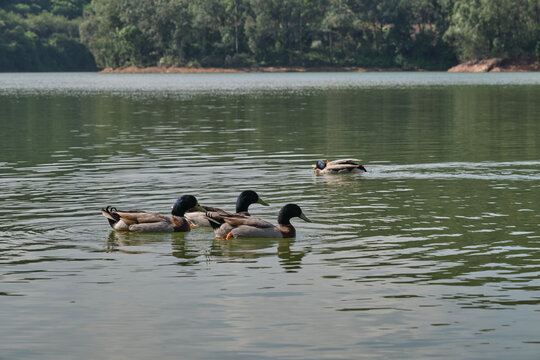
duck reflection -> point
(290, 260)
(120, 241)
(334, 180)
(191, 251)
(244, 248)
(249, 250)
(252, 249)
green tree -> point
(495, 28)
(33, 39)
(273, 29)
(417, 35)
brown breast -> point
(180, 224)
(288, 231)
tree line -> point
(408, 34)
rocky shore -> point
(498, 65)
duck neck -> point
(179, 213)
(241, 206)
(282, 219)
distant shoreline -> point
(489, 65)
(214, 70)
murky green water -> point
(432, 254)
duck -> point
(242, 226)
(244, 200)
(338, 166)
(146, 221)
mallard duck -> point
(338, 166)
(145, 221)
(246, 198)
(242, 226)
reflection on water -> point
(190, 252)
(433, 250)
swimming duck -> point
(246, 198)
(145, 221)
(242, 226)
(338, 166)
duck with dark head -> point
(146, 221)
(240, 226)
(341, 166)
(244, 200)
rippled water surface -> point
(431, 254)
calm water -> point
(432, 254)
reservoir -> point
(433, 253)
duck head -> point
(289, 211)
(184, 203)
(320, 164)
(247, 198)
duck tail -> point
(110, 213)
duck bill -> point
(262, 202)
(304, 217)
(199, 208)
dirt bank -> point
(185, 70)
(489, 65)
(498, 65)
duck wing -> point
(242, 220)
(215, 209)
(345, 161)
(141, 217)
(344, 165)
(156, 226)
(338, 167)
(198, 218)
(239, 226)
(244, 231)
(216, 219)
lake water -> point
(432, 254)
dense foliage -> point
(495, 28)
(269, 32)
(431, 34)
(42, 35)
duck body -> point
(273, 232)
(244, 200)
(341, 166)
(198, 218)
(241, 226)
(146, 221)
(224, 223)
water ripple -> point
(438, 252)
